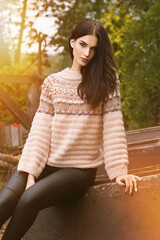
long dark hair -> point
(99, 75)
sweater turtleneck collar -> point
(70, 75)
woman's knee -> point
(12, 190)
(17, 183)
(8, 201)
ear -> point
(72, 43)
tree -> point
(66, 15)
(141, 70)
(22, 27)
(133, 30)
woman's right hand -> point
(30, 181)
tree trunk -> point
(22, 27)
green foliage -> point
(58, 62)
(141, 59)
(115, 22)
(133, 27)
(17, 92)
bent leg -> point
(10, 195)
(59, 187)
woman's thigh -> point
(63, 185)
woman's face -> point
(84, 49)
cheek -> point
(76, 51)
(92, 54)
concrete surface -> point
(141, 154)
(104, 213)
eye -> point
(82, 44)
(94, 49)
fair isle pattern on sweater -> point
(67, 132)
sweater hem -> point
(61, 165)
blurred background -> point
(34, 43)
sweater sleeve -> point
(114, 138)
(36, 149)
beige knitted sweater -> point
(67, 132)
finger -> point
(119, 181)
(135, 184)
(130, 186)
(127, 185)
(137, 178)
(29, 184)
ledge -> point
(104, 212)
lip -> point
(84, 60)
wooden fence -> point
(13, 135)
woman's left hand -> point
(129, 181)
(30, 181)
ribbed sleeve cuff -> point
(34, 170)
(116, 171)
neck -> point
(75, 67)
(70, 75)
(74, 70)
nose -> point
(86, 52)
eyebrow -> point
(87, 44)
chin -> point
(82, 64)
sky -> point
(45, 25)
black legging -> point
(54, 186)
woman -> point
(79, 108)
